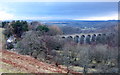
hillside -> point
(11, 62)
(15, 63)
(26, 64)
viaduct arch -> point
(86, 38)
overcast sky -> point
(60, 0)
(59, 10)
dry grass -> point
(2, 40)
(1, 35)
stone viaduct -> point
(86, 37)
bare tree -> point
(75, 55)
(103, 55)
(54, 30)
(33, 44)
(30, 42)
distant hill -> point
(78, 23)
(82, 24)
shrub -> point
(10, 46)
(42, 28)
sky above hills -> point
(59, 10)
